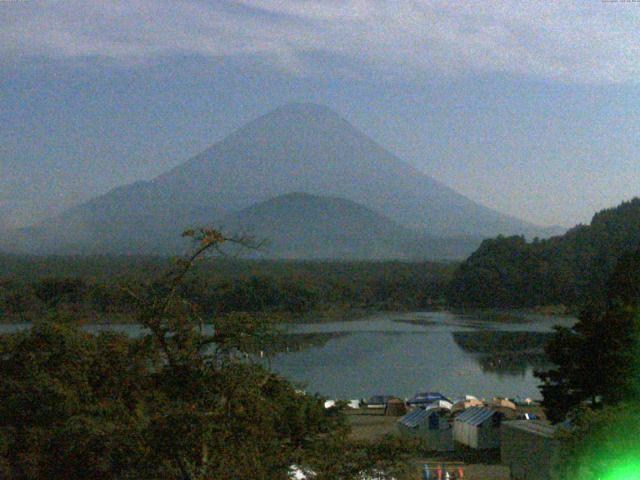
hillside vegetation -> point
(570, 269)
(504, 272)
(95, 288)
(300, 225)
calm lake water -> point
(403, 353)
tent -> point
(461, 405)
(504, 406)
(464, 398)
(431, 426)
(503, 403)
(424, 399)
(395, 408)
(440, 404)
(478, 427)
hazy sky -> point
(530, 107)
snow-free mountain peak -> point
(296, 148)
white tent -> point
(440, 404)
(464, 404)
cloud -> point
(589, 41)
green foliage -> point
(601, 445)
(386, 459)
(598, 359)
(52, 291)
(96, 288)
(571, 269)
(174, 404)
(624, 284)
(69, 402)
(597, 383)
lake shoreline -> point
(401, 353)
(324, 314)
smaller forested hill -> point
(570, 269)
(304, 226)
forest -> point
(179, 404)
(173, 404)
(96, 289)
(570, 270)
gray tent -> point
(478, 427)
(528, 448)
(431, 426)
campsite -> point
(319, 240)
(480, 458)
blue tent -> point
(426, 398)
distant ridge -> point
(296, 148)
(339, 229)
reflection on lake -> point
(295, 342)
(404, 353)
(505, 353)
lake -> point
(403, 353)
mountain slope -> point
(309, 148)
(299, 225)
(296, 148)
(570, 269)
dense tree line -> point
(175, 404)
(571, 269)
(504, 272)
(97, 289)
(598, 359)
(595, 383)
